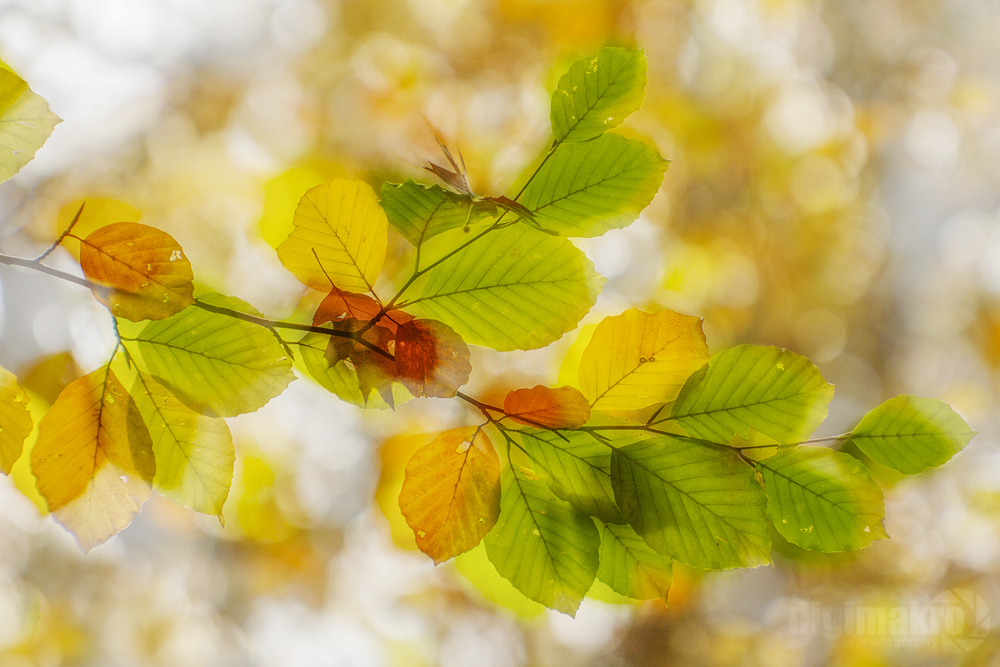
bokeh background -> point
(833, 189)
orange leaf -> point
(374, 369)
(141, 272)
(451, 492)
(93, 461)
(431, 358)
(340, 304)
(545, 407)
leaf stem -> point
(58, 241)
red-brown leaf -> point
(340, 304)
(431, 358)
(545, 407)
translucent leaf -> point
(343, 224)
(15, 420)
(823, 500)
(340, 304)
(548, 550)
(214, 361)
(638, 359)
(511, 289)
(586, 189)
(451, 492)
(372, 362)
(421, 212)
(25, 123)
(911, 434)
(142, 271)
(545, 407)
(194, 453)
(630, 567)
(598, 93)
(431, 359)
(93, 460)
(771, 390)
(696, 503)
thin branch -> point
(76, 218)
(36, 265)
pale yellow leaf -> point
(15, 421)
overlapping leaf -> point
(93, 460)
(630, 567)
(638, 359)
(339, 304)
(215, 361)
(25, 123)
(342, 378)
(696, 503)
(342, 225)
(823, 500)
(589, 188)
(141, 272)
(547, 549)
(15, 420)
(431, 359)
(911, 434)
(564, 407)
(451, 492)
(514, 288)
(598, 93)
(776, 392)
(421, 212)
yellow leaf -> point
(342, 222)
(25, 123)
(451, 493)
(15, 421)
(96, 212)
(142, 272)
(638, 359)
(93, 461)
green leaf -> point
(509, 289)
(421, 212)
(341, 379)
(911, 434)
(215, 361)
(630, 567)
(548, 550)
(696, 503)
(15, 420)
(598, 93)
(25, 123)
(823, 500)
(586, 189)
(194, 453)
(776, 392)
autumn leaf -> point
(545, 407)
(431, 358)
(340, 304)
(25, 123)
(375, 368)
(451, 492)
(141, 272)
(15, 420)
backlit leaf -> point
(630, 567)
(421, 212)
(598, 93)
(911, 434)
(696, 503)
(215, 361)
(823, 500)
(511, 289)
(372, 362)
(339, 304)
(93, 460)
(142, 272)
(341, 378)
(343, 224)
(771, 390)
(547, 549)
(25, 123)
(586, 189)
(451, 492)
(545, 407)
(638, 359)
(15, 420)
(431, 359)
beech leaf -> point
(15, 420)
(432, 360)
(545, 407)
(340, 304)
(630, 567)
(25, 123)
(421, 212)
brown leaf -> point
(340, 304)
(451, 492)
(431, 358)
(374, 369)
(545, 407)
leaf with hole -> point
(431, 359)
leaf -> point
(215, 361)
(510, 289)
(25, 123)
(630, 567)
(771, 390)
(823, 500)
(548, 550)
(340, 378)
(451, 492)
(910, 434)
(340, 304)
(638, 359)
(587, 189)
(93, 460)
(375, 368)
(542, 406)
(15, 420)
(598, 93)
(432, 360)
(142, 272)
(421, 212)
(696, 503)
(194, 453)
(343, 224)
